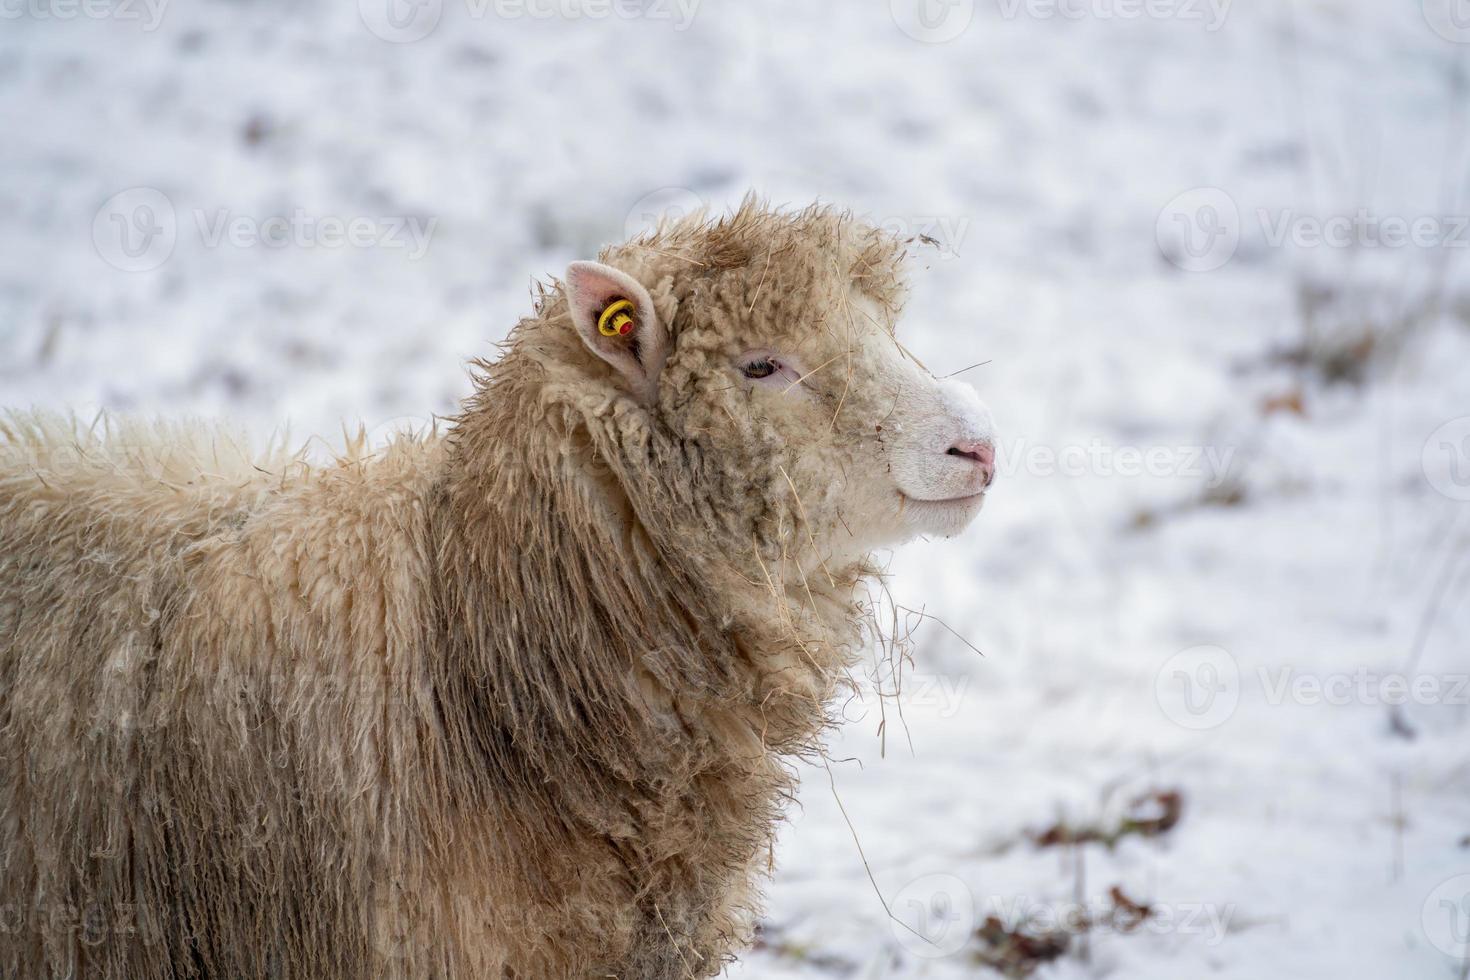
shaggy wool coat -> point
(514, 699)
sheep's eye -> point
(762, 368)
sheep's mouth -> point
(966, 498)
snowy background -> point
(1231, 526)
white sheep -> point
(515, 700)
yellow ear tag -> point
(617, 319)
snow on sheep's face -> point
(807, 395)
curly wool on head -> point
(516, 699)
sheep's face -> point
(785, 373)
(878, 449)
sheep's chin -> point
(944, 518)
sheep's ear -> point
(615, 316)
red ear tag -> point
(626, 328)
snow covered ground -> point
(1232, 521)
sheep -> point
(519, 698)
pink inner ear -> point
(639, 354)
(590, 292)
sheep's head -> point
(754, 362)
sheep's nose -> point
(982, 452)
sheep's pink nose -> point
(981, 452)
